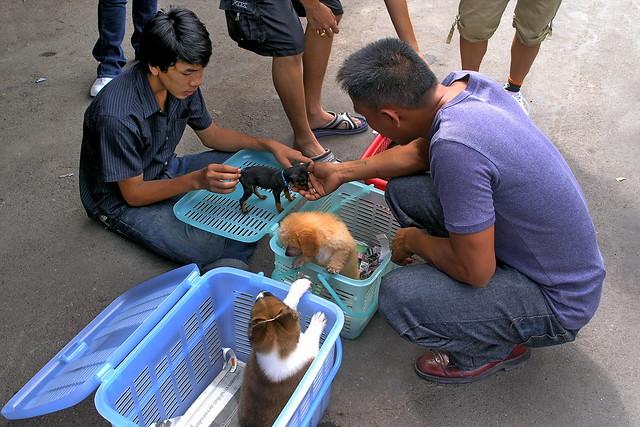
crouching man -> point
(487, 200)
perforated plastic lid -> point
(220, 213)
(77, 370)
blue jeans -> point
(112, 17)
(156, 227)
(475, 325)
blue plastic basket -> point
(220, 213)
(365, 212)
(153, 351)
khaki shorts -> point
(477, 20)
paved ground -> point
(58, 269)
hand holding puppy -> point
(218, 178)
(324, 178)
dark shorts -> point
(269, 27)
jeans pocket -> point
(244, 22)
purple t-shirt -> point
(492, 165)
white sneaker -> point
(99, 84)
(520, 100)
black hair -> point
(385, 72)
(175, 35)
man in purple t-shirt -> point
(486, 200)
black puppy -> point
(272, 179)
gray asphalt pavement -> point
(58, 269)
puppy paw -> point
(317, 324)
(300, 286)
(333, 269)
(296, 290)
(299, 262)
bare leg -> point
(471, 54)
(522, 58)
(287, 79)
(315, 59)
(399, 14)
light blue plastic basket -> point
(158, 346)
(220, 213)
(365, 212)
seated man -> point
(489, 204)
(130, 176)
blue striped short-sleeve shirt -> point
(125, 134)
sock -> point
(513, 86)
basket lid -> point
(79, 368)
(220, 213)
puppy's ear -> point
(309, 242)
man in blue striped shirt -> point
(130, 176)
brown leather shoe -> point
(436, 366)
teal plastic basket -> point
(220, 213)
(366, 214)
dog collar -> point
(276, 317)
(283, 178)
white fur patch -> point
(278, 369)
(324, 255)
(296, 291)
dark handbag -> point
(244, 22)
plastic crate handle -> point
(348, 311)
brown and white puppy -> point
(320, 237)
(280, 355)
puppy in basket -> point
(320, 237)
(280, 355)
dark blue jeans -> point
(156, 227)
(429, 308)
(112, 17)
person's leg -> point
(399, 14)
(112, 15)
(428, 307)
(156, 227)
(475, 326)
(414, 203)
(477, 20)
(288, 81)
(532, 21)
(315, 60)
(142, 12)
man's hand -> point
(320, 18)
(400, 247)
(324, 178)
(284, 155)
(218, 178)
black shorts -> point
(269, 27)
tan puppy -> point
(280, 355)
(320, 237)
